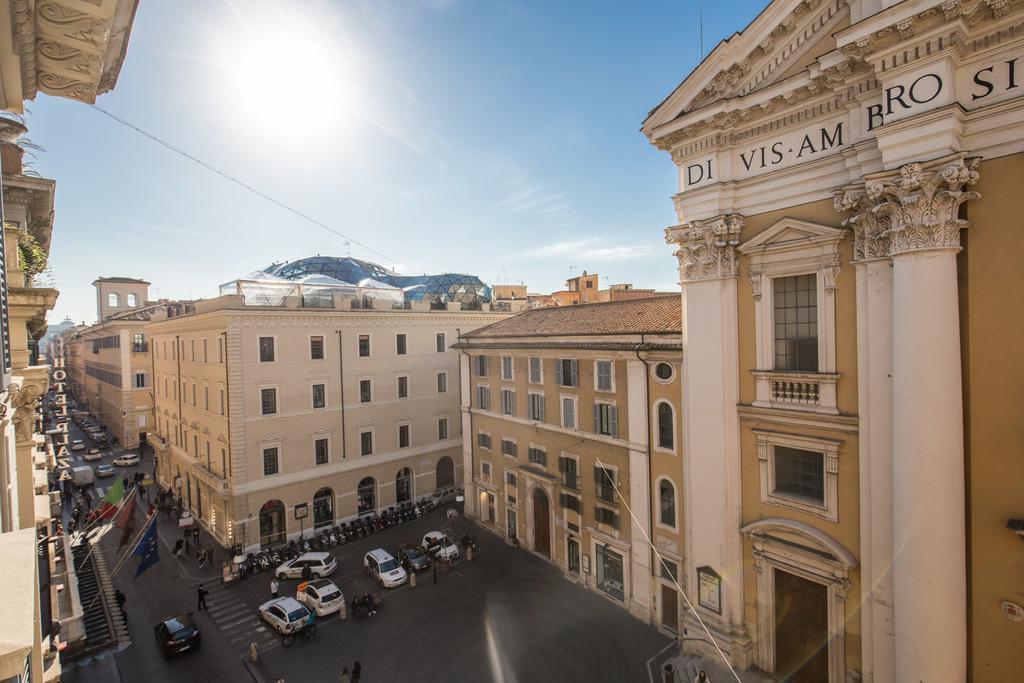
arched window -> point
(445, 474)
(403, 485)
(272, 522)
(323, 508)
(132, 301)
(113, 300)
(666, 426)
(667, 497)
(366, 495)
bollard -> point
(412, 579)
(253, 653)
(668, 673)
(469, 553)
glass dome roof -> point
(469, 290)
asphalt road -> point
(506, 616)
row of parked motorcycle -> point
(331, 537)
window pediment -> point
(271, 438)
(798, 534)
(789, 234)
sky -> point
(493, 137)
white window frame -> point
(675, 504)
(369, 342)
(654, 376)
(514, 443)
(655, 437)
(398, 434)
(280, 458)
(575, 411)
(792, 247)
(131, 300)
(145, 379)
(437, 377)
(511, 368)
(618, 429)
(447, 429)
(277, 348)
(444, 341)
(321, 436)
(502, 401)
(486, 472)
(408, 387)
(402, 334)
(489, 397)
(829, 448)
(537, 447)
(612, 364)
(484, 362)
(323, 341)
(529, 370)
(529, 405)
(259, 400)
(488, 435)
(326, 400)
(373, 442)
(359, 390)
(115, 297)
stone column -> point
(711, 434)
(919, 209)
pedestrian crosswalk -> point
(239, 623)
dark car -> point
(177, 634)
(413, 559)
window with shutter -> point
(536, 374)
(606, 419)
(536, 407)
(604, 481)
(603, 371)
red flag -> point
(126, 521)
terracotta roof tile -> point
(654, 315)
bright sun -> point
(284, 71)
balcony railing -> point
(140, 347)
(807, 391)
(215, 482)
(606, 492)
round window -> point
(663, 371)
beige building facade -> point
(109, 364)
(272, 421)
(851, 456)
(572, 431)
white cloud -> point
(592, 249)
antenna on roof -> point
(348, 248)
(700, 24)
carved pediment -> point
(784, 41)
(789, 232)
(271, 438)
(800, 536)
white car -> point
(320, 565)
(78, 445)
(382, 566)
(92, 455)
(321, 597)
(440, 546)
(126, 460)
(285, 615)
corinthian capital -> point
(707, 249)
(922, 203)
(915, 209)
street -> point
(507, 615)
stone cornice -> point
(913, 209)
(707, 249)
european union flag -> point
(146, 549)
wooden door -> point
(541, 523)
(669, 608)
(801, 629)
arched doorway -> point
(272, 528)
(403, 485)
(445, 472)
(323, 508)
(366, 496)
(541, 522)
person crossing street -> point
(201, 598)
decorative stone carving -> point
(24, 401)
(917, 209)
(707, 249)
(999, 7)
(755, 282)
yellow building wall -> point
(992, 330)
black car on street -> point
(177, 634)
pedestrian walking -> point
(702, 678)
(273, 587)
(185, 535)
(201, 597)
(357, 671)
(202, 557)
(307, 573)
(177, 547)
(344, 677)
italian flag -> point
(110, 501)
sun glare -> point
(285, 71)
